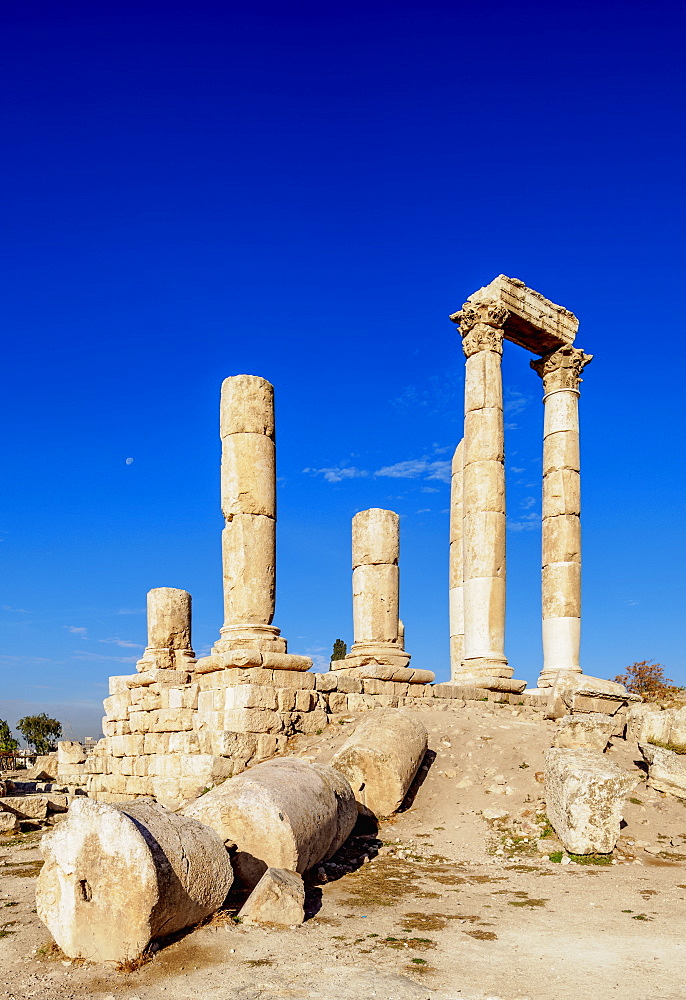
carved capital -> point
(481, 326)
(561, 369)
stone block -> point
(585, 796)
(293, 679)
(278, 899)
(286, 661)
(117, 705)
(326, 682)
(234, 744)
(118, 685)
(156, 743)
(562, 493)
(25, 806)
(561, 539)
(584, 732)
(483, 489)
(666, 769)
(250, 696)
(172, 720)
(247, 406)
(310, 722)
(248, 479)
(375, 535)
(304, 701)
(286, 699)
(248, 545)
(338, 703)
(361, 702)
(268, 745)
(348, 684)
(252, 720)
(9, 822)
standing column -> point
(481, 328)
(375, 590)
(455, 570)
(248, 489)
(169, 631)
(561, 574)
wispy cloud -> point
(18, 611)
(529, 522)
(83, 654)
(337, 473)
(513, 468)
(77, 630)
(415, 468)
(116, 641)
(423, 510)
(515, 401)
(6, 658)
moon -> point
(129, 461)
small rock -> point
(278, 898)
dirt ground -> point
(440, 903)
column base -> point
(163, 658)
(263, 637)
(506, 684)
(486, 666)
(364, 654)
(549, 675)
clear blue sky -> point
(305, 191)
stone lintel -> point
(534, 322)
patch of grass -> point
(679, 748)
(319, 732)
(134, 964)
(418, 961)
(11, 904)
(547, 830)
(627, 911)
(556, 857)
(591, 859)
(636, 802)
(256, 963)
(527, 902)
(641, 916)
(482, 935)
(22, 869)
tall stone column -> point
(376, 590)
(455, 569)
(169, 631)
(248, 490)
(481, 327)
(561, 573)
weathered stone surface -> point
(26, 806)
(585, 796)
(277, 899)
(648, 724)
(283, 813)
(249, 560)
(116, 877)
(69, 752)
(169, 618)
(584, 732)
(666, 769)
(375, 537)
(247, 406)
(375, 603)
(381, 758)
(44, 769)
(575, 692)
(248, 476)
(9, 822)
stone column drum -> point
(248, 490)
(561, 556)
(375, 590)
(455, 568)
(481, 328)
(169, 631)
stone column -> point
(169, 631)
(481, 327)
(375, 590)
(455, 569)
(561, 574)
(248, 489)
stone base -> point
(377, 671)
(548, 677)
(369, 654)
(263, 637)
(492, 683)
(486, 666)
(246, 658)
(166, 659)
(580, 693)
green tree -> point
(40, 732)
(7, 741)
(339, 650)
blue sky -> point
(305, 192)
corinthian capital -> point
(561, 369)
(481, 326)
